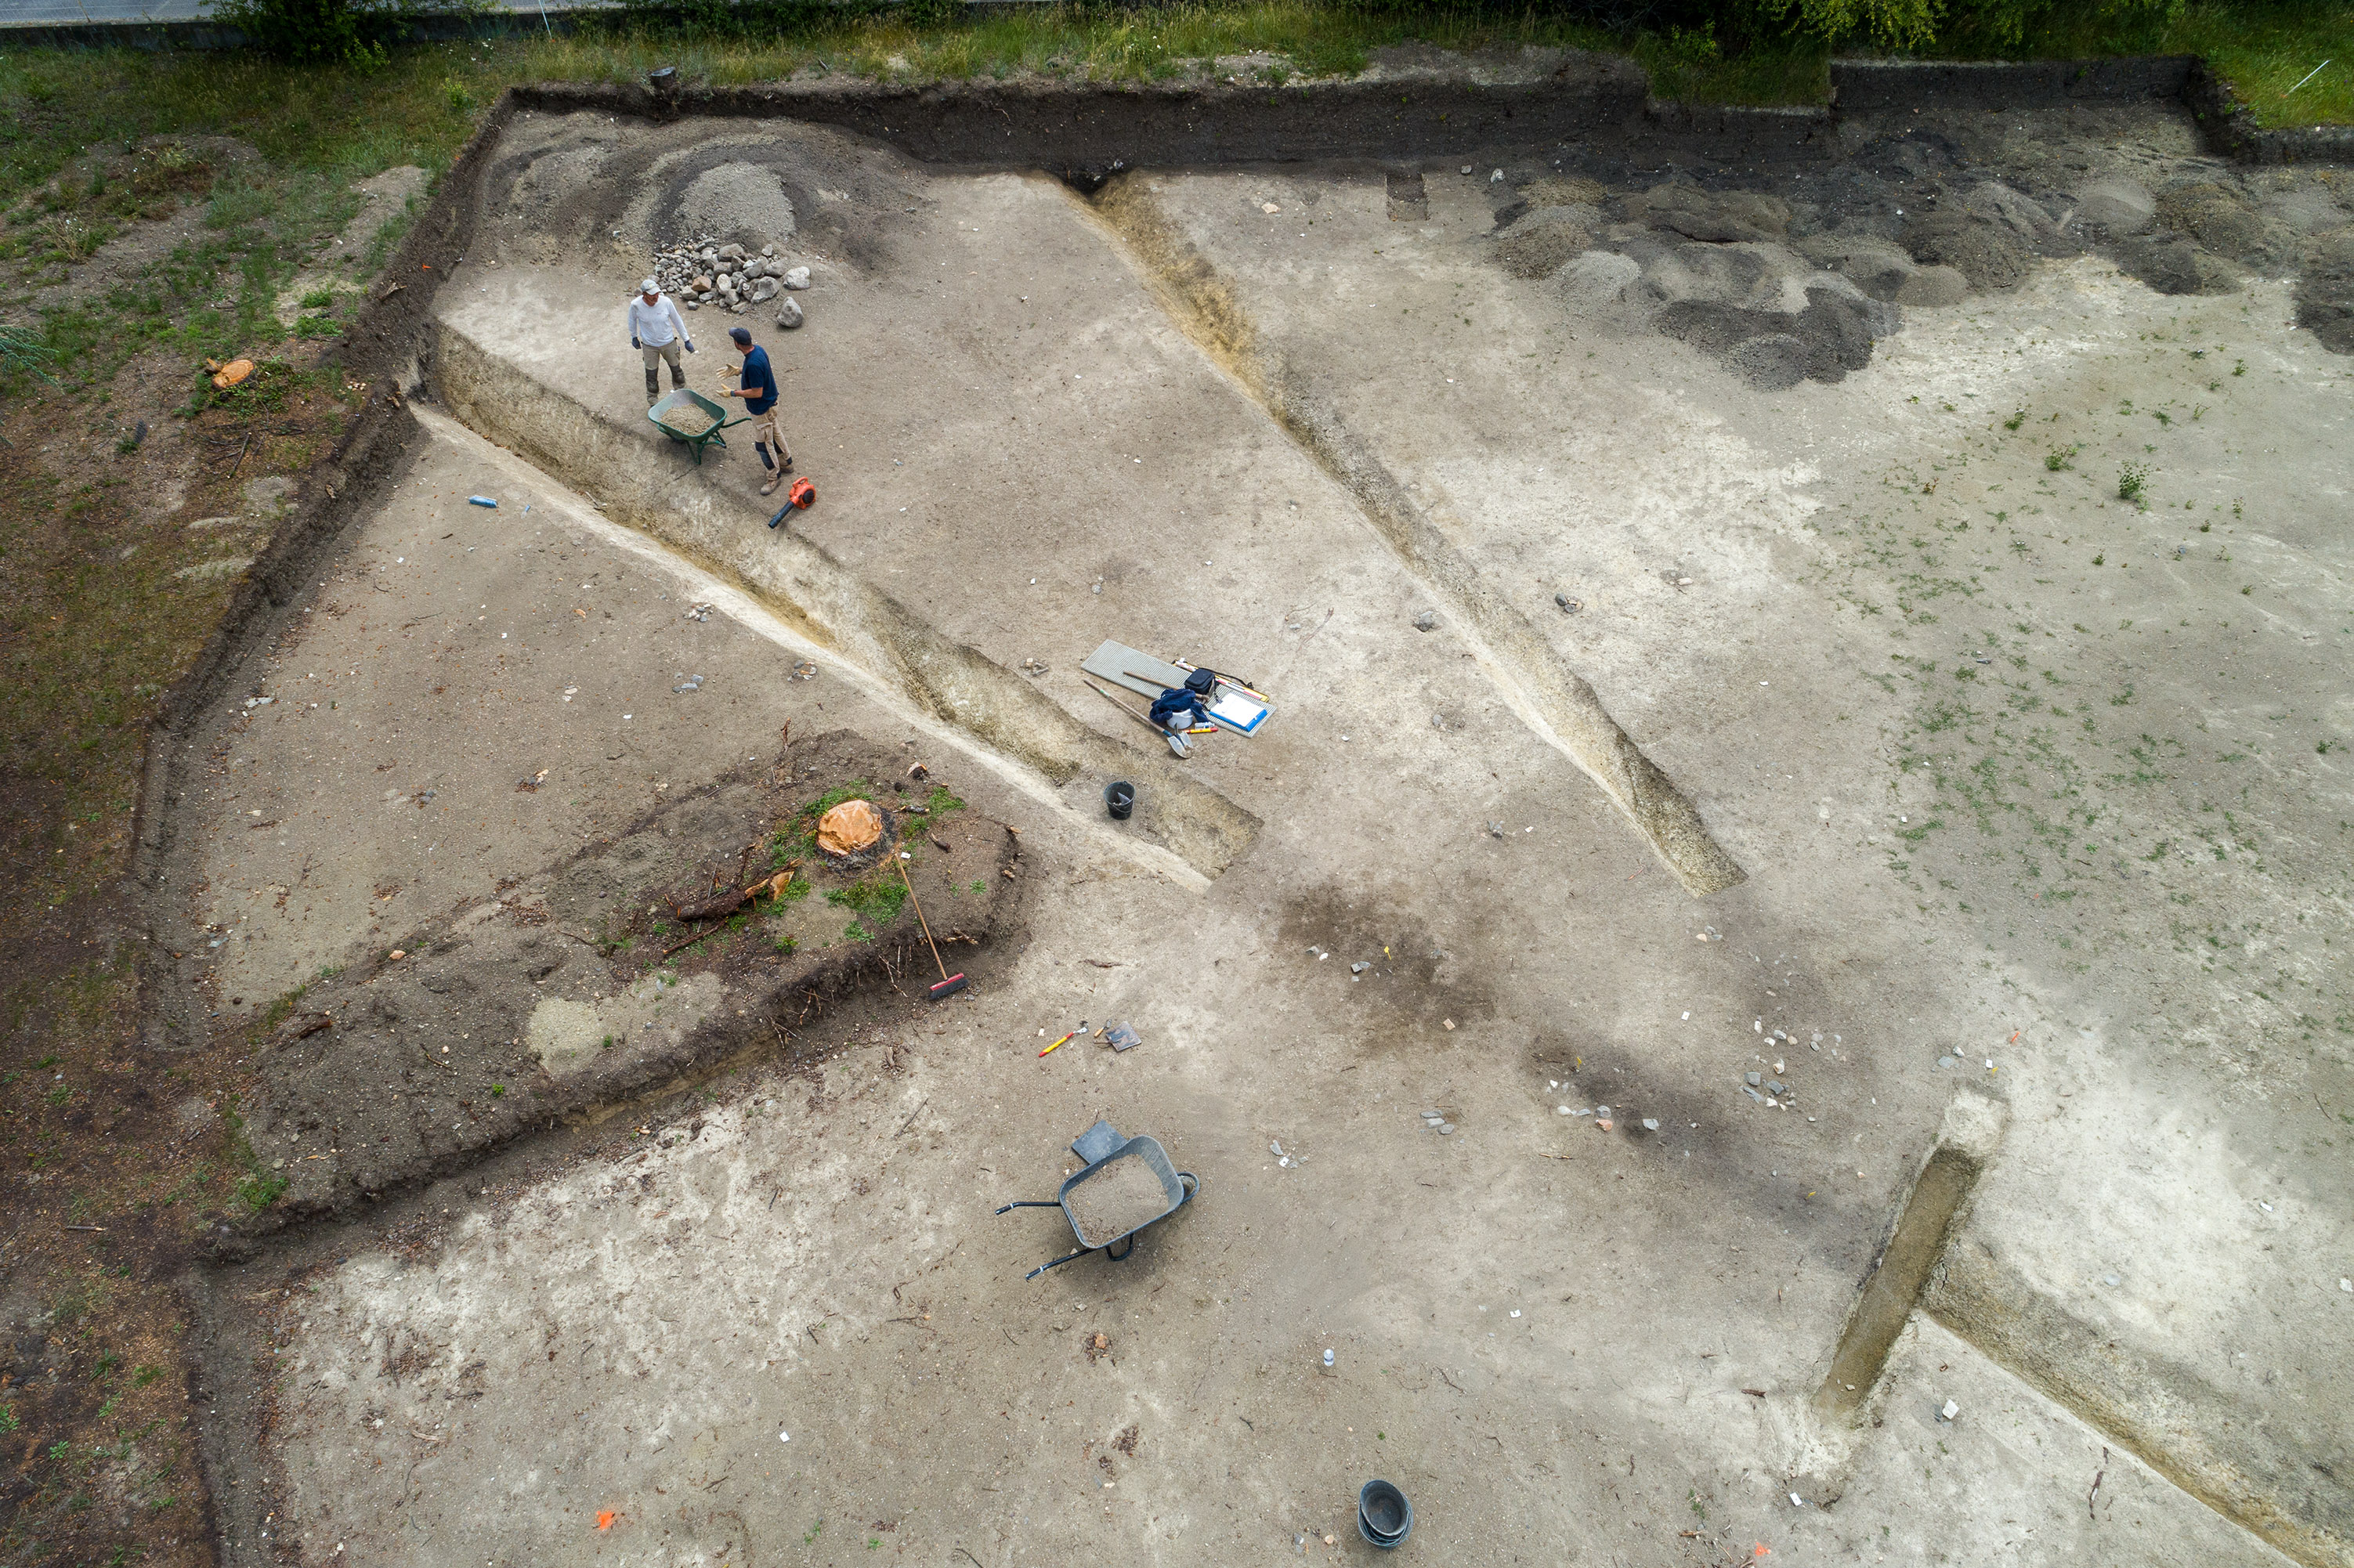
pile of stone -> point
(730, 277)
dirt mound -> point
(1542, 243)
(1774, 349)
(1986, 255)
(2324, 294)
(2221, 220)
(745, 203)
(2177, 266)
(1718, 217)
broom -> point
(949, 983)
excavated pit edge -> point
(763, 620)
(1535, 682)
(2147, 1406)
(821, 600)
(2227, 1453)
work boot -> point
(654, 390)
(1179, 745)
(678, 376)
(775, 479)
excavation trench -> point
(2250, 1462)
(2246, 1469)
(823, 600)
(1535, 681)
(1898, 1276)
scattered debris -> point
(481, 501)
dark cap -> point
(741, 334)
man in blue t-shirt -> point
(756, 385)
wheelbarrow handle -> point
(1060, 1261)
(1033, 1203)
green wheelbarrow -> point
(684, 406)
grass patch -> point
(2263, 49)
(257, 1190)
(875, 899)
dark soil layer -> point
(403, 1069)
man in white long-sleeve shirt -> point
(657, 329)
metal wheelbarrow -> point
(685, 398)
(1101, 1149)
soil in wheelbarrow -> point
(686, 419)
(1116, 1199)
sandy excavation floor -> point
(2036, 794)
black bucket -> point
(1119, 798)
(1383, 1516)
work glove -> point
(690, 346)
(635, 343)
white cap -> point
(649, 287)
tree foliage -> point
(351, 33)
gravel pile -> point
(729, 278)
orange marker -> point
(1066, 1039)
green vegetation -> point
(876, 900)
(257, 1190)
